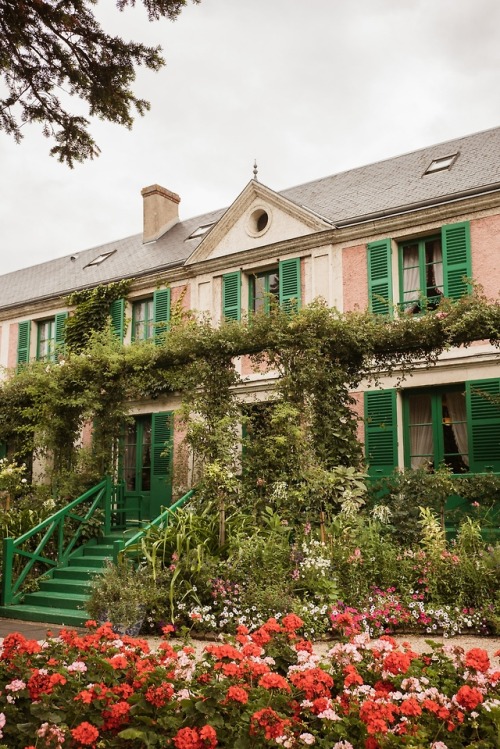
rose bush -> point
(265, 688)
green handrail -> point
(121, 545)
(53, 527)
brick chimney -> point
(161, 211)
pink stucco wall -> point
(358, 410)
(355, 277)
(12, 356)
(176, 294)
(485, 244)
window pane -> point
(146, 456)
(45, 342)
(129, 457)
(142, 320)
(421, 434)
(259, 291)
(411, 276)
(264, 285)
(455, 440)
(274, 283)
(433, 272)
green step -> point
(64, 601)
(98, 550)
(76, 573)
(63, 617)
(66, 586)
(89, 562)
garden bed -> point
(263, 689)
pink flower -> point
(307, 738)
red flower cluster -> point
(469, 697)
(43, 683)
(398, 663)
(237, 694)
(478, 659)
(378, 715)
(159, 696)
(274, 681)
(314, 682)
(268, 720)
(196, 738)
(85, 734)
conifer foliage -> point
(50, 49)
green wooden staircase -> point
(62, 594)
(59, 557)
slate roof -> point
(386, 186)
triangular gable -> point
(259, 216)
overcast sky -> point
(309, 88)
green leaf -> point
(129, 734)
(204, 707)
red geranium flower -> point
(478, 659)
(86, 734)
(469, 697)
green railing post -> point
(108, 495)
(8, 557)
(118, 547)
(60, 540)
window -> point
(421, 274)
(100, 258)
(200, 231)
(46, 339)
(436, 429)
(438, 165)
(264, 287)
(458, 425)
(143, 320)
(283, 282)
(429, 268)
(49, 338)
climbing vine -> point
(91, 312)
(320, 355)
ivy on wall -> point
(319, 354)
(91, 312)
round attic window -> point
(259, 222)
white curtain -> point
(421, 444)
(438, 265)
(456, 409)
(411, 274)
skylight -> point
(100, 258)
(437, 165)
(200, 231)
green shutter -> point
(59, 325)
(117, 312)
(162, 436)
(380, 277)
(23, 342)
(289, 280)
(231, 296)
(456, 259)
(381, 439)
(483, 424)
(161, 313)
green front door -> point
(147, 465)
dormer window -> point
(438, 165)
(100, 258)
(200, 231)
